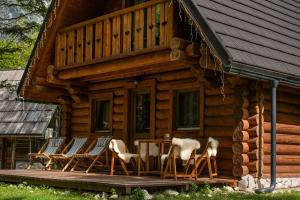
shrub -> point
(194, 188)
(137, 194)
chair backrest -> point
(186, 147)
(118, 146)
(77, 145)
(101, 145)
(54, 144)
(153, 149)
(212, 147)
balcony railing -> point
(144, 27)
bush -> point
(137, 194)
(194, 188)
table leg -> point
(147, 158)
(139, 159)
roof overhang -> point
(231, 67)
(22, 136)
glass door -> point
(140, 114)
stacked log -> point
(240, 134)
(66, 113)
(288, 132)
(119, 116)
(80, 119)
(184, 50)
(255, 120)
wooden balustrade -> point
(144, 27)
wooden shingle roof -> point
(259, 38)
(19, 118)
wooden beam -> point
(116, 65)
(134, 72)
(52, 78)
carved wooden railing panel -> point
(144, 27)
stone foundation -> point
(248, 183)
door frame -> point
(151, 85)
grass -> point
(27, 192)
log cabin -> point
(23, 125)
(189, 68)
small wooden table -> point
(161, 149)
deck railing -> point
(128, 31)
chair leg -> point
(174, 167)
(215, 167)
(48, 165)
(112, 164)
(68, 164)
(92, 164)
(124, 167)
(202, 164)
(76, 164)
(165, 170)
(30, 163)
(195, 171)
(209, 168)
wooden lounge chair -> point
(184, 150)
(75, 146)
(93, 153)
(208, 157)
(51, 146)
(120, 152)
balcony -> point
(135, 30)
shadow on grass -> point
(14, 198)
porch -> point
(102, 182)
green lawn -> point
(24, 192)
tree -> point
(20, 21)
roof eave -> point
(51, 7)
(200, 20)
(253, 72)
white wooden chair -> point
(120, 152)
(184, 150)
(208, 157)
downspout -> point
(273, 140)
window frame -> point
(190, 87)
(101, 98)
(177, 113)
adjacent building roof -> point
(259, 38)
(19, 118)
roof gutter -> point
(261, 74)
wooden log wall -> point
(222, 117)
(66, 114)
(236, 122)
(255, 153)
(226, 119)
(288, 132)
(80, 119)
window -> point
(187, 110)
(102, 115)
(142, 111)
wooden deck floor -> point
(101, 182)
